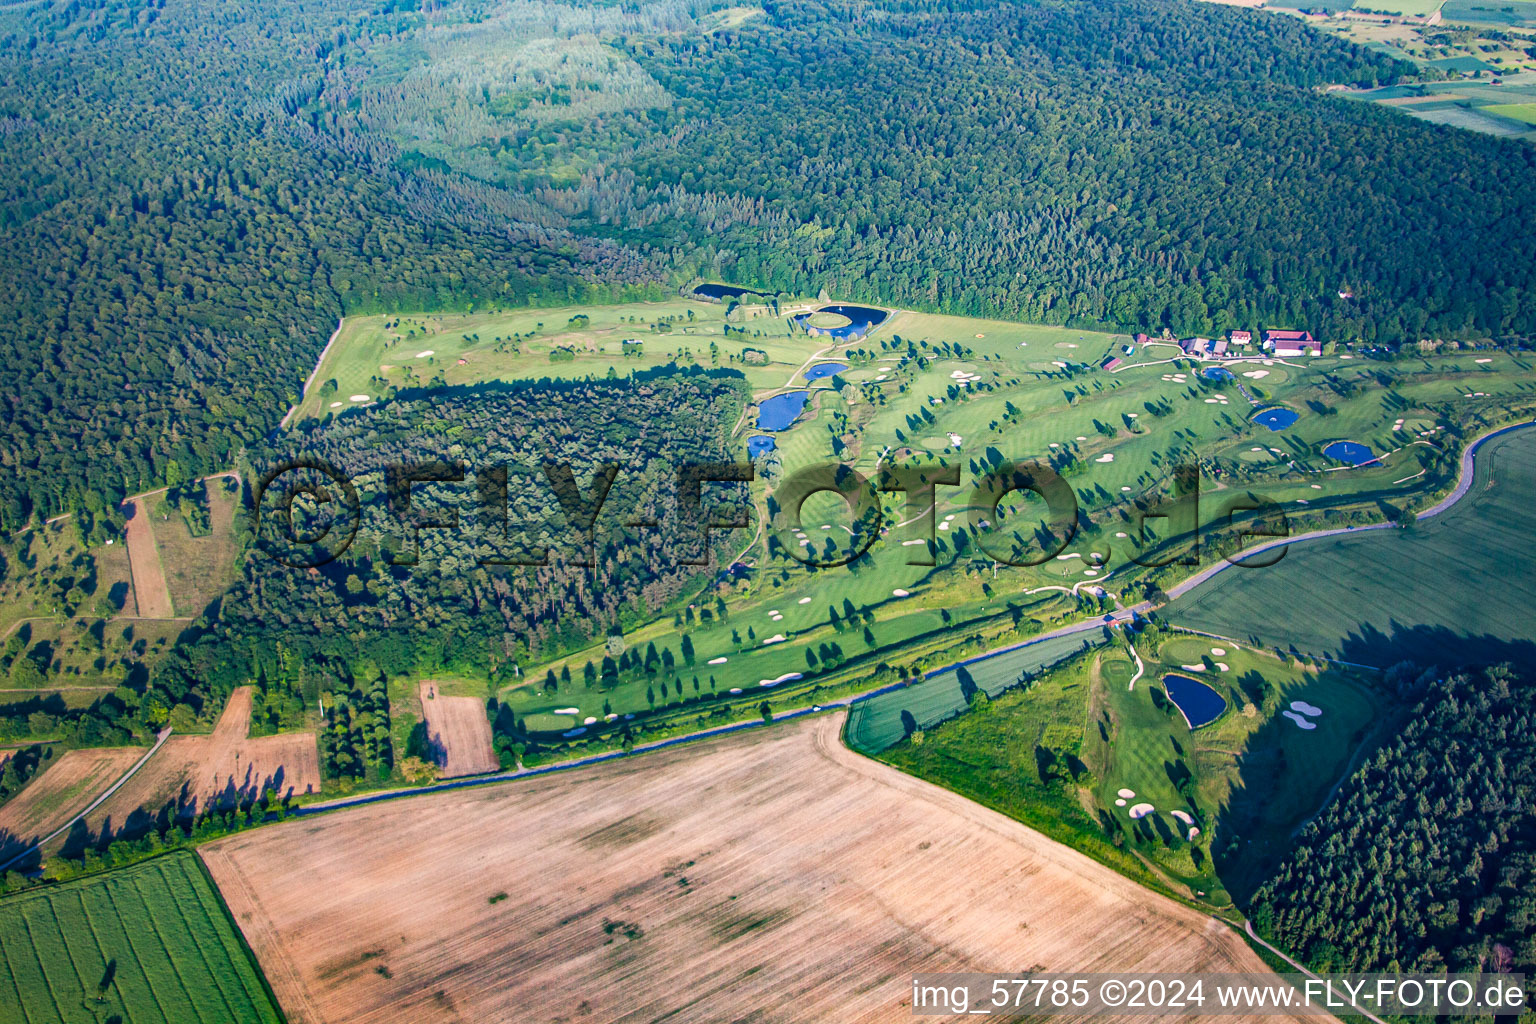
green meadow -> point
(147, 943)
(1078, 750)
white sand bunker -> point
(335, 405)
(717, 661)
(955, 440)
(1222, 666)
(1307, 709)
(567, 711)
(1141, 810)
(424, 353)
(1125, 487)
(1122, 535)
(1068, 556)
(898, 592)
(1192, 833)
(1317, 487)
(1218, 651)
(1127, 793)
(359, 398)
(777, 638)
(786, 677)
(1193, 668)
(1106, 457)
(1256, 374)
(943, 526)
(589, 720)
(1301, 723)
(1119, 803)
(1210, 401)
(1482, 360)
(1082, 437)
(1090, 572)
(1183, 816)
(735, 689)
(910, 543)
(804, 600)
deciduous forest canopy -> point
(192, 195)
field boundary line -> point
(310, 380)
(101, 798)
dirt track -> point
(149, 589)
(458, 733)
(221, 767)
(772, 875)
(64, 789)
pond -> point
(861, 320)
(822, 370)
(1217, 373)
(1352, 452)
(778, 412)
(723, 291)
(1276, 418)
(759, 446)
(1200, 704)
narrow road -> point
(1248, 927)
(310, 380)
(165, 734)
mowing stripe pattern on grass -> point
(154, 932)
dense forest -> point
(466, 597)
(1426, 859)
(192, 195)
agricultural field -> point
(1443, 590)
(62, 791)
(690, 884)
(148, 943)
(192, 773)
(198, 567)
(1095, 754)
(458, 733)
(149, 588)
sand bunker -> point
(359, 398)
(1127, 793)
(1193, 668)
(424, 353)
(1301, 723)
(717, 661)
(1106, 457)
(1218, 651)
(786, 677)
(567, 711)
(1119, 803)
(1307, 709)
(1256, 374)
(898, 592)
(1183, 816)
(910, 543)
(804, 600)
(1141, 810)
(777, 638)
(1222, 666)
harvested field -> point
(769, 875)
(149, 589)
(458, 733)
(62, 791)
(223, 767)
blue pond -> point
(1276, 418)
(760, 445)
(821, 370)
(1352, 452)
(861, 320)
(778, 412)
(1217, 373)
(1200, 704)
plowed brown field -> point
(458, 733)
(61, 792)
(772, 875)
(223, 767)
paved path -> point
(165, 734)
(310, 380)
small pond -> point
(861, 320)
(1352, 452)
(723, 291)
(1217, 373)
(778, 412)
(1276, 418)
(759, 446)
(824, 370)
(1200, 704)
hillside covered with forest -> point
(191, 196)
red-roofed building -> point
(1292, 343)
(1237, 339)
(1112, 363)
(1142, 339)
